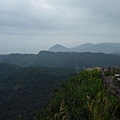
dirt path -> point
(112, 84)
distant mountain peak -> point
(58, 48)
(82, 48)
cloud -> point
(61, 21)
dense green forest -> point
(24, 90)
(84, 97)
(35, 93)
(62, 59)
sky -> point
(29, 26)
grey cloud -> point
(61, 21)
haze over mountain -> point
(89, 47)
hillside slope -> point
(84, 97)
(23, 90)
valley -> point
(35, 86)
(25, 90)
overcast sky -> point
(28, 26)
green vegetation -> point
(24, 90)
(84, 97)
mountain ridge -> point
(89, 47)
(63, 59)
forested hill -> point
(62, 59)
(23, 90)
